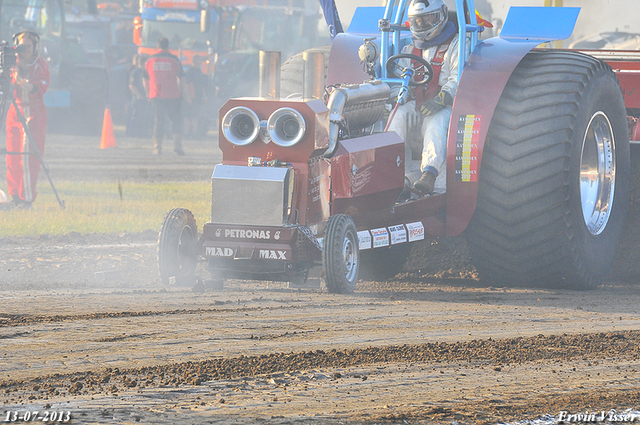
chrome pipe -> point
(269, 63)
(313, 78)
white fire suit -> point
(433, 128)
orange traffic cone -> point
(107, 140)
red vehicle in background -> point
(229, 35)
(180, 22)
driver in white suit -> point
(434, 39)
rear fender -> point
(484, 78)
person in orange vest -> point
(435, 39)
(30, 78)
(163, 82)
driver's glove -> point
(435, 105)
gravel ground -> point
(87, 327)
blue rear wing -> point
(522, 24)
(539, 23)
(365, 20)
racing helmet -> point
(427, 18)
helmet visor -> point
(427, 21)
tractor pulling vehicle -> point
(537, 164)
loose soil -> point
(86, 326)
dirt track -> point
(86, 326)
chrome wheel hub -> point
(597, 173)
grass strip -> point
(106, 207)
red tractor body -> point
(537, 167)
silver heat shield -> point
(355, 107)
(365, 103)
(260, 196)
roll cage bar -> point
(391, 28)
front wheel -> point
(340, 254)
(177, 256)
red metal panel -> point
(483, 80)
(630, 85)
(318, 193)
(316, 135)
(429, 210)
(300, 190)
(314, 142)
(367, 173)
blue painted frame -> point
(390, 40)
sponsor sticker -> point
(364, 240)
(467, 152)
(380, 237)
(398, 234)
(214, 251)
(272, 254)
(416, 231)
(247, 234)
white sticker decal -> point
(364, 240)
(416, 231)
(247, 234)
(213, 251)
(398, 234)
(380, 237)
(273, 254)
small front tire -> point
(177, 256)
(340, 255)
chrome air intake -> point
(240, 126)
(286, 127)
(354, 107)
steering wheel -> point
(423, 71)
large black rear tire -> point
(177, 256)
(554, 178)
(340, 255)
